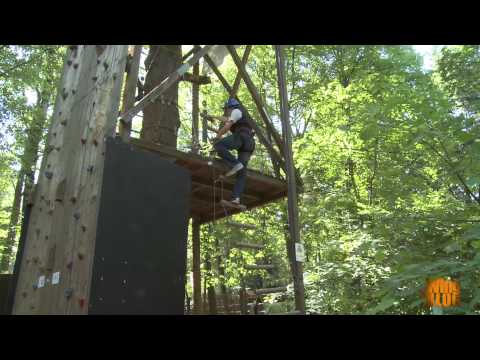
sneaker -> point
(236, 201)
(235, 169)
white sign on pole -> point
(55, 278)
(299, 252)
(41, 281)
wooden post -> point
(221, 273)
(129, 92)
(195, 110)
(62, 229)
(273, 153)
(204, 297)
(197, 281)
(256, 98)
(243, 301)
(293, 221)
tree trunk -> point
(12, 226)
(26, 174)
(34, 137)
(212, 300)
(161, 119)
(221, 273)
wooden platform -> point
(260, 189)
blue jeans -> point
(237, 141)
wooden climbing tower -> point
(65, 204)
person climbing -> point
(241, 139)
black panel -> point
(5, 284)
(18, 259)
(140, 251)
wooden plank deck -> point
(260, 189)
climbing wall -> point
(56, 265)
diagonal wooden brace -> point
(236, 83)
(256, 98)
(273, 153)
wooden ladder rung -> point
(270, 290)
(260, 267)
(232, 206)
(248, 246)
(295, 312)
(242, 226)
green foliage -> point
(28, 80)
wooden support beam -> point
(194, 158)
(205, 126)
(273, 153)
(129, 92)
(293, 221)
(238, 78)
(163, 86)
(197, 187)
(189, 52)
(206, 199)
(197, 281)
(228, 186)
(256, 98)
(228, 204)
(195, 110)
